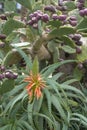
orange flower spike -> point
(38, 93)
(36, 83)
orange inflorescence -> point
(35, 86)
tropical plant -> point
(43, 65)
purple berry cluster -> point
(80, 4)
(7, 73)
(83, 12)
(50, 8)
(36, 16)
(60, 17)
(77, 39)
(72, 21)
(82, 8)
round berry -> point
(35, 25)
(82, 13)
(80, 66)
(2, 76)
(45, 18)
(62, 17)
(15, 75)
(79, 43)
(34, 20)
(73, 18)
(31, 15)
(3, 17)
(2, 44)
(85, 11)
(9, 75)
(78, 50)
(2, 36)
(73, 23)
(76, 37)
(80, 6)
(54, 16)
(81, 1)
(2, 68)
(50, 8)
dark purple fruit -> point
(2, 36)
(2, 76)
(15, 75)
(50, 8)
(82, 13)
(62, 17)
(2, 44)
(45, 18)
(34, 20)
(54, 16)
(35, 26)
(80, 66)
(80, 6)
(78, 50)
(72, 22)
(39, 16)
(76, 37)
(85, 11)
(73, 18)
(3, 17)
(31, 15)
(81, 1)
(79, 43)
(2, 68)
(9, 75)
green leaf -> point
(12, 57)
(13, 101)
(50, 69)
(21, 44)
(68, 49)
(39, 27)
(38, 104)
(44, 116)
(70, 5)
(73, 89)
(6, 127)
(7, 85)
(26, 3)
(63, 30)
(38, 6)
(82, 25)
(30, 114)
(68, 41)
(35, 66)
(48, 97)
(58, 106)
(26, 58)
(80, 116)
(9, 5)
(83, 55)
(55, 23)
(26, 125)
(11, 25)
(78, 74)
